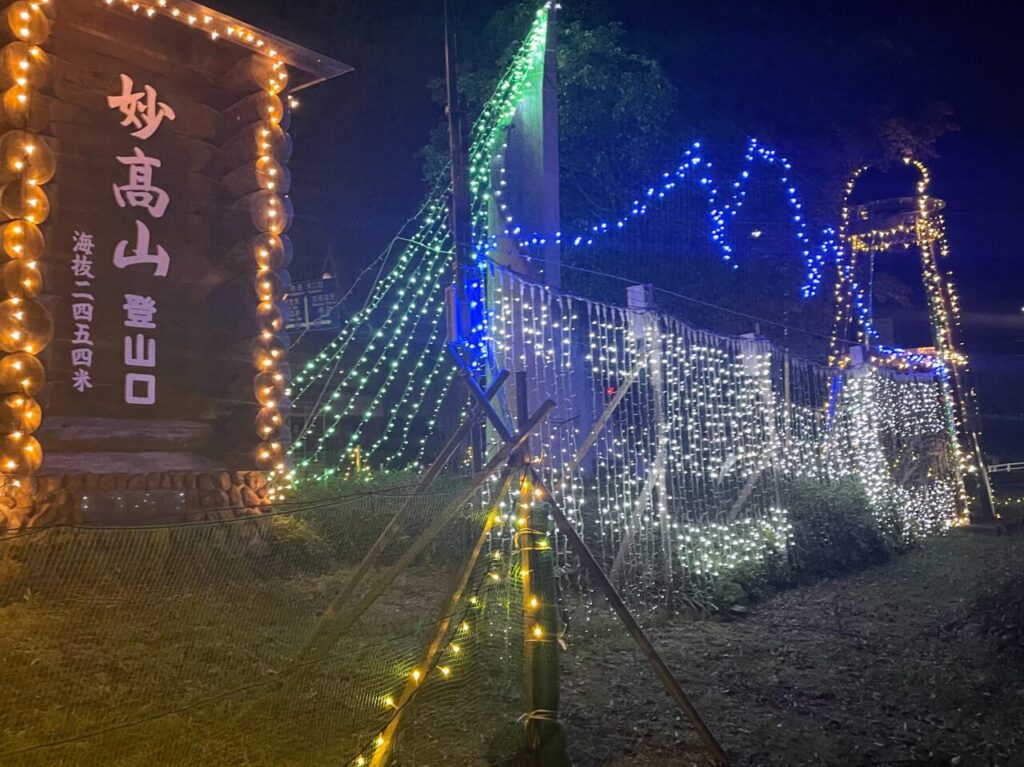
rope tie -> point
(538, 715)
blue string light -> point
(721, 210)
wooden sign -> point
(144, 217)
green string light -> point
(402, 365)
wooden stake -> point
(327, 627)
(329, 633)
(599, 425)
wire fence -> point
(701, 437)
(260, 641)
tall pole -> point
(458, 206)
(459, 220)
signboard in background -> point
(313, 305)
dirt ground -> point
(884, 667)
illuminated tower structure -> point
(915, 225)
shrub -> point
(834, 529)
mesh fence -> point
(343, 629)
(702, 437)
(263, 641)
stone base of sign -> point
(130, 499)
(92, 445)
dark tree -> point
(616, 106)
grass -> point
(176, 639)
(166, 646)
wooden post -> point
(427, 536)
(329, 628)
(545, 736)
(599, 425)
(644, 326)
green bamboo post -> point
(545, 736)
(387, 737)
(541, 608)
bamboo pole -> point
(380, 756)
(327, 634)
(528, 425)
(599, 425)
(545, 736)
(524, 537)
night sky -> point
(738, 66)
